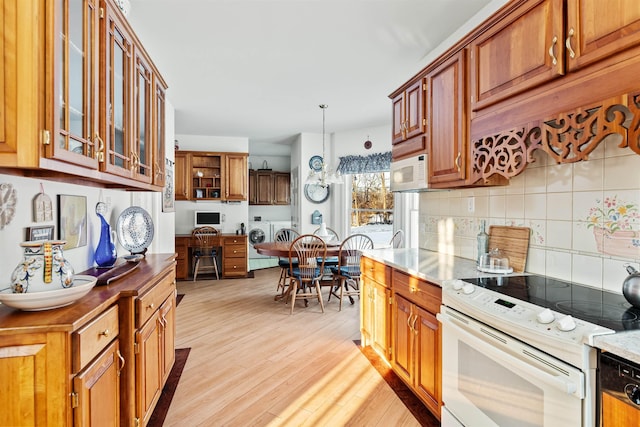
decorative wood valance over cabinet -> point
(557, 75)
(79, 95)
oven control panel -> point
(528, 319)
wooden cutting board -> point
(513, 242)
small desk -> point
(234, 255)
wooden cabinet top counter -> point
(69, 318)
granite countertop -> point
(623, 344)
(436, 267)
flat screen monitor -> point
(207, 218)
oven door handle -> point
(500, 347)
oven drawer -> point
(417, 291)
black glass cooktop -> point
(592, 305)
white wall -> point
(235, 213)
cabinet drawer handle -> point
(151, 306)
(567, 43)
(554, 60)
(105, 333)
(458, 161)
(121, 362)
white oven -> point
(491, 379)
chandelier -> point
(323, 175)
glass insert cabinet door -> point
(142, 149)
(118, 99)
(76, 49)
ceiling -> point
(260, 68)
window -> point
(372, 206)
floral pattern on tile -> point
(614, 224)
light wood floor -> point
(253, 364)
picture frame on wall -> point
(72, 220)
(44, 232)
(168, 196)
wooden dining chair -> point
(204, 239)
(346, 275)
(397, 240)
(284, 235)
(329, 261)
(306, 264)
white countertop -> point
(436, 267)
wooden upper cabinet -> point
(71, 100)
(182, 174)
(519, 52)
(448, 121)
(264, 188)
(236, 177)
(159, 136)
(75, 138)
(142, 150)
(269, 188)
(408, 112)
(597, 29)
(282, 188)
(118, 98)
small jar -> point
(43, 268)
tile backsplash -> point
(584, 217)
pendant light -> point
(323, 176)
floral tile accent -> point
(614, 224)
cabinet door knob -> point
(105, 333)
(151, 306)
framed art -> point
(72, 220)
(44, 232)
(168, 197)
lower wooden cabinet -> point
(398, 321)
(96, 390)
(234, 256)
(375, 308)
(416, 337)
(101, 361)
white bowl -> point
(46, 300)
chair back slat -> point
(351, 251)
(286, 235)
(397, 240)
(306, 257)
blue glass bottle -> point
(105, 255)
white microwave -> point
(211, 218)
(409, 174)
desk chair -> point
(346, 275)
(204, 238)
(305, 271)
(397, 240)
(284, 235)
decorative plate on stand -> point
(135, 229)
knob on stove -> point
(566, 323)
(545, 316)
(468, 288)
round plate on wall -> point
(316, 193)
(315, 163)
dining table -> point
(281, 250)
